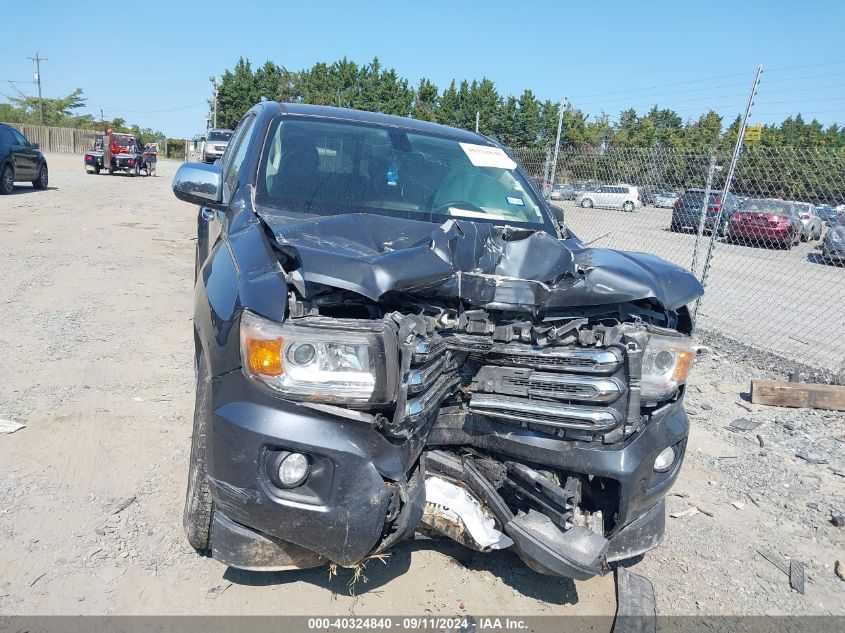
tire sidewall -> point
(43, 177)
(7, 187)
(197, 515)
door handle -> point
(208, 215)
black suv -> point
(686, 213)
(20, 161)
(388, 316)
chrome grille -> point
(562, 387)
(577, 360)
(555, 415)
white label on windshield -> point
(486, 156)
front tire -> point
(135, 170)
(198, 503)
(586, 203)
(628, 206)
(7, 180)
(43, 178)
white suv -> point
(625, 197)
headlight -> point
(319, 360)
(666, 364)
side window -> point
(18, 138)
(235, 154)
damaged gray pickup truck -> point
(395, 333)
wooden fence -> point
(58, 139)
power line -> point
(805, 66)
(675, 83)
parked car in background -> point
(563, 192)
(665, 199)
(646, 195)
(766, 221)
(810, 221)
(826, 213)
(343, 391)
(215, 144)
(625, 197)
(833, 245)
(687, 209)
(20, 161)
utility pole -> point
(38, 59)
(563, 104)
(216, 89)
(728, 180)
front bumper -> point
(365, 493)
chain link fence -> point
(770, 253)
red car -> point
(766, 221)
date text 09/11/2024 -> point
(457, 623)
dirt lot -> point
(95, 294)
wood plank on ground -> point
(798, 394)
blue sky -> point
(685, 55)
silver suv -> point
(625, 197)
(215, 144)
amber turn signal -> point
(683, 366)
(265, 355)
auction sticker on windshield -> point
(486, 156)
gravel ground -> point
(96, 294)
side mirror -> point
(199, 183)
(34, 146)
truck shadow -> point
(503, 564)
(22, 189)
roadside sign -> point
(753, 133)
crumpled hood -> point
(486, 266)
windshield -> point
(219, 136)
(328, 168)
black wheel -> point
(586, 203)
(628, 206)
(42, 180)
(7, 179)
(111, 171)
(135, 170)
(198, 505)
(97, 170)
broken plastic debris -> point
(10, 426)
(449, 499)
(685, 513)
(743, 424)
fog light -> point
(665, 460)
(293, 470)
